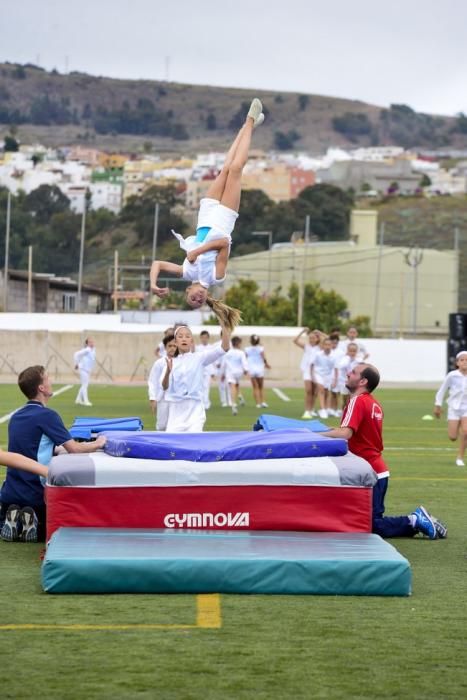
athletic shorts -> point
(323, 379)
(217, 216)
(256, 374)
(306, 375)
(233, 378)
(458, 413)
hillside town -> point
(108, 180)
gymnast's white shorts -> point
(187, 416)
(217, 216)
(458, 413)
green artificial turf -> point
(267, 646)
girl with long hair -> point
(208, 250)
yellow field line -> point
(208, 616)
(208, 611)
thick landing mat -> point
(215, 447)
(86, 428)
(100, 469)
(269, 422)
(92, 560)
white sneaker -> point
(460, 462)
(87, 403)
(331, 412)
(258, 121)
(234, 410)
(80, 403)
(241, 401)
(258, 405)
(313, 414)
(264, 404)
(306, 415)
(322, 413)
(256, 109)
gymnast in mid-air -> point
(207, 252)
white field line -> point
(280, 394)
(7, 416)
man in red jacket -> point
(362, 427)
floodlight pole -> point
(413, 258)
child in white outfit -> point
(456, 383)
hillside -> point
(427, 223)
(130, 115)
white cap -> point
(459, 354)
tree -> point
(321, 309)
(10, 144)
(303, 101)
(425, 181)
(352, 125)
(329, 209)
(139, 212)
(285, 141)
(211, 122)
(45, 201)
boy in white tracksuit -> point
(84, 362)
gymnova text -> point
(207, 520)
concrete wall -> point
(128, 355)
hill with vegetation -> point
(436, 222)
(148, 115)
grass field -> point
(263, 647)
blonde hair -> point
(228, 316)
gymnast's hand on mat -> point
(100, 442)
(191, 256)
(160, 291)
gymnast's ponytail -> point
(228, 317)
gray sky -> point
(412, 51)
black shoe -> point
(29, 522)
(11, 527)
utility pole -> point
(29, 279)
(7, 252)
(154, 248)
(378, 275)
(81, 255)
(115, 281)
(301, 288)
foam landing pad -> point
(108, 560)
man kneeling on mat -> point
(362, 427)
(34, 431)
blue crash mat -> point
(100, 560)
(268, 421)
(85, 428)
(214, 447)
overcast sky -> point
(401, 51)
